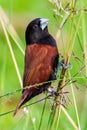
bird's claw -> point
(65, 66)
(61, 64)
(52, 92)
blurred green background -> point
(20, 13)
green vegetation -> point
(68, 26)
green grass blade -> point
(11, 29)
(11, 51)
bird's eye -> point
(35, 26)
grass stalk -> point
(84, 40)
(3, 68)
(11, 51)
(43, 110)
(33, 122)
(57, 98)
(75, 105)
(26, 122)
(84, 34)
(74, 37)
(69, 118)
(58, 118)
(11, 30)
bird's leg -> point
(61, 64)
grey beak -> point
(43, 23)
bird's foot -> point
(52, 92)
(65, 66)
(61, 64)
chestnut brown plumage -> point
(41, 59)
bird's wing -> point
(33, 62)
(39, 60)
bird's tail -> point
(21, 102)
(27, 95)
(30, 93)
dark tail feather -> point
(21, 102)
(30, 93)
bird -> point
(41, 60)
